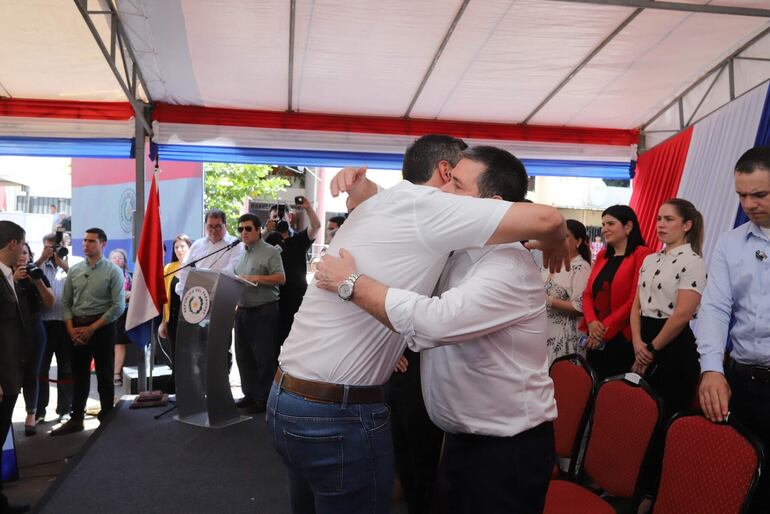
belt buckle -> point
(760, 374)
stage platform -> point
(134, 463)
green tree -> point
(226, 186)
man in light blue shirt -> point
(739, 284)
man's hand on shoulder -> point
(555, 256)
(334, 270)
(714, 394)
(353, 181)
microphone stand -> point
(192, 265)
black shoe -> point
(254, 407)
(15, 508)
(30, 430)
(70, 427)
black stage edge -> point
(134, 463)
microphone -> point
(234, 243)
(760, 255)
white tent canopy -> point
(541, 62)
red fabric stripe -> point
(396, 126)
(658, 173)
(104, 172)
(30, 108)
(150, 254)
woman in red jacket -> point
(610, 293)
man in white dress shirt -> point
(216, 239)
(326, 410)
(484, 364)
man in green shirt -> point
(256, 321)
(93, 298)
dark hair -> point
(10, 231)
(250, 216)
(49, 237)
(424, 155)
(215, 213)
(29, 252)
(624, 214)
(339, 220)
(578, 231)
(688, 212)
(99, 233)
(757, 158)
(504, 174)
(180, 237)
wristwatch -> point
(345, 289)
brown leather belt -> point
(326, 392)
(84, 321)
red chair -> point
(627, 413)
(574, 384)
(707, 467)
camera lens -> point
(62, 252)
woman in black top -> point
(33, 290)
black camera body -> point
(34, 272)
(59, 249)
(281, 210)
(299, 200)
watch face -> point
(345, 290)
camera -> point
(299, 200)
(34, 272)
(59, 249)
(281, 210)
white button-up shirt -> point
(222, 261)
(401, 237)
(484, 363)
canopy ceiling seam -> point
(156, 75)
(583, 64)
(7, 93)
(681, 7)
(308, 33)
(473, 60)
(437, 56)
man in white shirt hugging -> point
(326, 411)
(484, 362)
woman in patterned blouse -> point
(564, 295)
(670, 286)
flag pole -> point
(153, 332)
(139, 157)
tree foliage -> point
(226, 187)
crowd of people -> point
(423, 352)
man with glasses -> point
(216, 238)
(256, 321)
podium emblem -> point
(195, 305)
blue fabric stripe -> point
(762, 139)
(275, 156)
(65, 147)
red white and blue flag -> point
(148, 292)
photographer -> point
(294, 248)
(54, 261)
(34, 291)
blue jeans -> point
(339, 456)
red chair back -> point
(626, 415)
(574, 384)
(707, 467)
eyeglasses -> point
(247, 228)
(218, 226)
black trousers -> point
(101, 347)
(496, 475)
(57, 343)
(416, 440)
(750, 404)
(616, 358)
(256, 349)
(6, 412)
